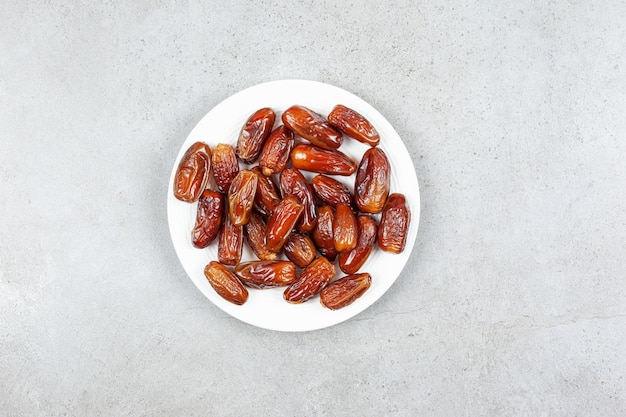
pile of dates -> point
(313, 223)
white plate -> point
(266, 308)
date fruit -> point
(331, 191)
(312, 280)
(312, 127)
(353, 124)
(225, 283)
(323, 161)
(255, 234)
(276, 150)
(371, 186)
(293, 183)
(344, 228)
(241, 197)
(299, 249)
(267, 197)
(323, 232)
(230, 243)
(345, 291)
(351, 261)
(266, 274)
(394, 224)
(281, 223)
(225, 166)
(254, 133)
(193, 173)
(208, 219)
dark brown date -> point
(312, 127)
(312, 280)
(344, 228)
(266, 274)
(225, 166)
(255, 234)
(299, 249)
(323, 232)
(324, 161)
(281, 223)
(276, 150)
(192, 173)
(208, 218)
(230, 243)
(293, 183)
(241, 196)
(394, 224)
(351, 261)
(353, 124)
(331, 191)
(267, 197)
(371, 186)
(254, 133)
(345, 291)
(225, 283)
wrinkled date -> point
(230, 243)
(255, 235)
(241, 197)
(193, 173)
(323, 161)
(314, 277)
(331, 191)
(254, 133)
(344, 228)
(371, 186)
(353, 124)
(299, 249)
(394, 224)
(323, 232)
(267, 197)
(276, 150)
(312, 127)
(293, 183)
(345, 291)
(225, 283)
(208, 218)
(266, 274)
(281, 223)
(225, 166)
(351, 261)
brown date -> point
(225, 283)
(299, 249)
(230, 243)
(276, 150)
(353, 124)
(351, 261)
(312, 127)
(371, 186)
(267, 197)
(266, 274)
(281, 223)
(225, 166)
(241, 196)
(394, 224)
(208, 218)
(345, 291)
(344, 228)
(331, 191)
(293, 183)
(323, 232)
(255, 234)
(192, 173)
(254, 133)
(324, 161)
(312, 280)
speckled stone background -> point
(513, 302)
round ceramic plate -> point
(266, 308)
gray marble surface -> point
(513, 302)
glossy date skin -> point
(281, 223)
(352, 124)
(267, 196)
(276, 150)
(323, 161)
(299, 249)
(323, 232)
(230, 243)
(225, 283)
(351, 261)
(344, 228)
(331, 191)
(255, 234)
(311, 126)
(241, 197)
(254, 134)
(371, 186)
(208, 218)
(394, 224)
(293, 183)
(225, 166)
(312, 280)
(345, 291)
(266, 274)
(193, 173)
